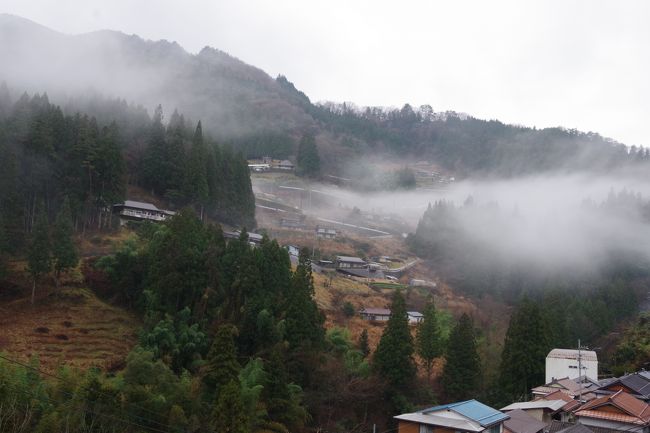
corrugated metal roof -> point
(586, 355)
(376, 311)
(140, 205)
(474, 410)
(432, 419)
(521, 422)
(350, 259)
(552, 405)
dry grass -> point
(70, 326)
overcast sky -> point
(579, 64)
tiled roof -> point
(576, 428)
(635, 382)
(558, 426)
(570, 386)
(474, 410)
(570, 405)
(638, 412)
(521, 422)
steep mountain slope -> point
(242, 104)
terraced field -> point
(69, 325)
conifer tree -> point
(154, 157)
(524, 351)
(462, 372)
(39, 259)
(428, 338)
(363, 343)
(64, 251)
(303, 321)
(308, 160)
(228, 415)
(222, 366)
(196, 187)
(394, 355)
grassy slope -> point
(69, 325)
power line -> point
(22, 364)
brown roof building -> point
(620, 411)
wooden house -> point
(465, 416)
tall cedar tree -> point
(308, 160)
(196, 176)
(222, 366)
(524, 352)
(153, 164)
(64, 251)
(462, 373)
(228, 415)
(39, 257)
(303, 321)
(428, 337)
(394, 355)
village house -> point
(326, 233)
(254, 239)
(132, 210)
(522, 422)
(570, 403)
(567, 362)
(383, 314)
(582, 388)
(375, 314)
(636, 384)
(465, 416)
(619, 411)
(346, 262)
(542, 410)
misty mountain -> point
(242, 104)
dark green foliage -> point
(308, 160)
(222, 366)
(524, 351)
(348, 309)
(428, 342)
(39, 255)
(4, 249)
(633, 352)
(462, 373)
(64, 250)
(303, 321)
(176, 340)
(228, 415)
(364, 348)
(196, 177)
(393, 358)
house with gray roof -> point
(469, 416)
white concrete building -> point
(562, 363)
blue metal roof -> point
(474, 410)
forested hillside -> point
(261, 116)
(50, 157)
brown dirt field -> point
(67, 326)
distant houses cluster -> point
(568, 403)
(267, 163)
